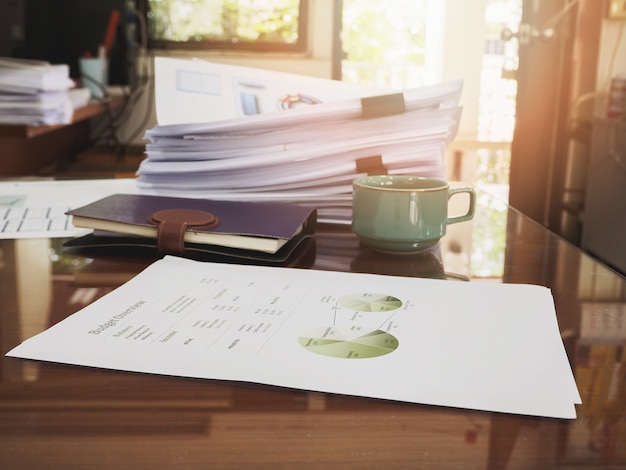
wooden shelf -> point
(29, 149)
(94, 108)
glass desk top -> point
(62, 416)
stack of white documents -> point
(34, 92)
(288, 138)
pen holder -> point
(94, 75)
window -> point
(385, 43)
(252, 25)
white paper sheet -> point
(484, 346)
(35, 209)
(34, 92)
(20, 75)
(197, 91)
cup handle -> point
(472, 205)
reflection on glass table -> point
(73, 416)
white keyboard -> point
(36, 209)
(34, 219)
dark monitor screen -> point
(61, 31)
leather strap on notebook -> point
(172, 225)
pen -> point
(110, 31)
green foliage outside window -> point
(385, 42)
(225, 23)
(376, 32)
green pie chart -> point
(369, 302)
(332, 342)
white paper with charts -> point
(493, 347)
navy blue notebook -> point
(256, 226)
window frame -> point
(300, 46)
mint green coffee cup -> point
(402, 213)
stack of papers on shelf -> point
(268, 136)
(483, 346)
(34, 93)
